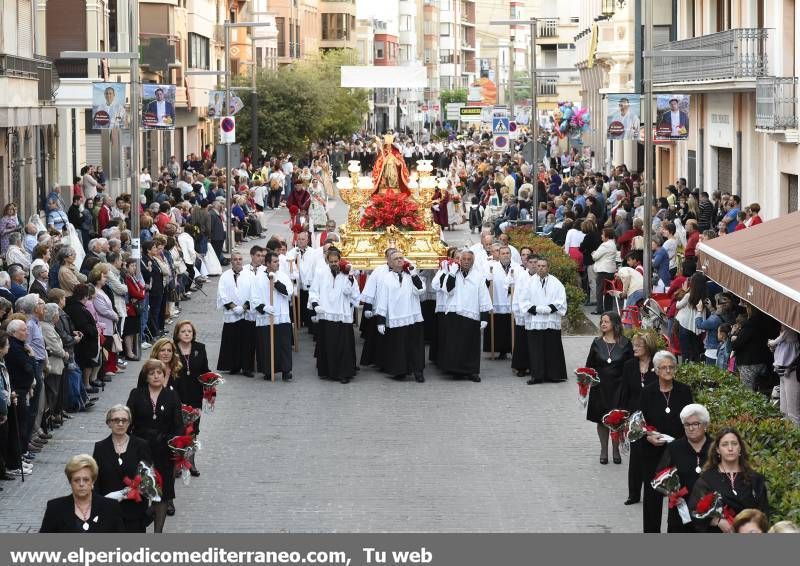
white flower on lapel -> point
(96, 517)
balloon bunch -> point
(570, 120)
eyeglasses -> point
(668, 369)
(118, 421)
(692, 425)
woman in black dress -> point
(194, 363)
(637, 373)
(153, 279)
(607, 356)
(87, 350)
(156, 418)
(727, 471)
(118, 457)
(688, 455)
(82, 511)
(661, 404)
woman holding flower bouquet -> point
(727, 472)
(607, 357)
(194, 364)
(637, 374)
(688, 455)
(661, 405)
(118, 457)
(156, 418)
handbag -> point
(117, 345)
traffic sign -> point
(501, 143)
(471, 113)
(513, 130)
(227, 130)
(500, 126)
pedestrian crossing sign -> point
(500, 126)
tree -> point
(302, 103)
(453, 95)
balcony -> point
(72, 68)
(547, 86)
(38, 69)
(548, 28)
(776, 107)
(742, 59)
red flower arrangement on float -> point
(392, 209)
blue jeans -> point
(26, 433)
(287, 187)
(144, 315)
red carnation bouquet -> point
(710, 506)
(293, 210)
(587, 378)
(189, 415)
(636, 428)
(344, 267)
(183, 448)
(615, 421)
(146, 484)
(210, 381)
(668, 482)
(392, 209)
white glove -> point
(318, 309)
(293, 275)
(381, 329)
(271, 275)
(443, 265)
(411, 267)
(509, 281)
(269, 309)
(238, 311)
(453, 269)
(368, 314)
(315, 319)
(484, 324)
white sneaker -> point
(19, 472)
(146, 345)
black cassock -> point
(283, 348)
(546, 355)
(372, 350)
(502, 334)
(520, 359)
(428, 309)
(335, 350)
(404, 351)
(460, 347)
(236, 349)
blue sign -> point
(500, 126)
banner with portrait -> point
(623, 116)
(108, 106)
(672, 117)
(158, 106)
(216, 104)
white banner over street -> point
(412, 76)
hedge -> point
(774, 442)
(561, 265)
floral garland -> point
(392, 209)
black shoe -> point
(400, 377)
(534, 381)
(287, 376)
(475, 378)
(617, 459)
(233, 372)
(267, 377)
(7, 477)
(194, 472)
(604, 460)
(419, 377)
(344, 380)
(248, 374)
(170, 508)
(92, 390)
(631, 501)
(105, 379)
(502, 357)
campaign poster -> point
(108, 106)
(216, 103)
(158, 106)
(672, 117)
(623, 116)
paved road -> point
(374, 455)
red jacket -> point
(103, 218)
(691, 244)
(625, 241)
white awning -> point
(412, 76)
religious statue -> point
(390, 171)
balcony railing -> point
(18, 67)
(72, 68)
(547, 86)
(548, 27)
(776, 103)
(45, 76)
(743, 55)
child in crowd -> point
(724, 349)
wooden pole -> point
(491, 313)
(272, 328)
(296, 305)
(512, 319)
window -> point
(405, 23)
(446, 56)
(112, 25)
(445, 6)
(380, 48)
(280, 23)
(198, 51)
(404, 53)
(429, 56)
(444, 29)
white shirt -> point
(541, 294)
(236, 291)
(502, 281)
(259, 295)
(630, 122)
(398, 299)
(675, 119)
(574, 239)
(335, 296)
(470, 296)
(145, 181)
(161, 111)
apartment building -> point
(338, 24)
(744, 136)
(27, 114)
(431, 57)
(299, 27)
(457, 43)
(387, 46)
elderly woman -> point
(82, 511)
(57, 357)
(106, 316)
(688, 455)
(87, 350)
(661, 405)
(9, 224)
(727, 471)
(608, 355)
(68, 274)
(156, 418)
(637, 374)
(118, 456)
(750, 521)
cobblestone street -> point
(374, 455)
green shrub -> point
(774, 442)
(661, 340)
(561, 265)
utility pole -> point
(648, 182)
